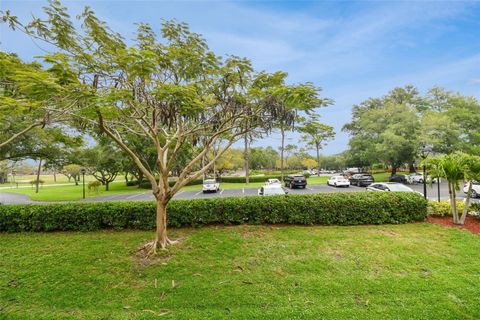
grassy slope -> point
(416, 271)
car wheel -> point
(291, 185)
(474, 194)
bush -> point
(323, 208)
(94, 185)
(442, 208)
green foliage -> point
(94, 185)
(34, 182)
(443, 208)
(325, 209)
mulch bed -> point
(472, 224)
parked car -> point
(294, 181)
(338, 181)
(417, 177)
(361, 179)
(390, 186)
(475, 188)
(270, 190)
(401, 178)
(210, 185)
(273, 182)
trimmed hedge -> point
(323, 208)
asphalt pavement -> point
(10, 198)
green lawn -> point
(416, 271)
(72, 192)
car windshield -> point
(398, 187)
(366, 176)
(299, 178)
(209, 182)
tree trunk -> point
(394, 169)
(467, 204)
(281, 153)
(107, 183)
(318, 160)
(76, 178)
(161, 239)
(411, 168)
(246, 152)
(38, 175)
(453, 201)
(54, 176)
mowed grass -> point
(73, 192)
(416, 271)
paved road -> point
(195, 194)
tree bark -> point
(107, 184)
(467, 204)
(246, 152)
(394, 169)
(76, 180)
(318, 160)
(411, 168)
(453, 201)
(54, 176)
(161, 239)
(282, 131)
(38, 175)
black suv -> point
(294, 181)
(361, 180)
(401, 178)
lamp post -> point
(82, 171)
(424, 150)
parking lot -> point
(197, 194)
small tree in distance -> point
(316, 134)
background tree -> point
(263, 158)
(104, 162)
(316, 134)
(289, 102)
(72, 171)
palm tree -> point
(453, 167)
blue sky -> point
(352, 50)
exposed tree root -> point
(150, 248)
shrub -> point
(94, 185)
(34, 182)
(324, 208)
(306, 175)
(443, 208)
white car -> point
(417, 177)
(475, 188)
(270, 190)
(338, 181)
(210, 186)
(390, 186)
(271, 182)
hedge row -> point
(325, 209)
(147, 184)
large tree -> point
(173, 92)
(386, 129)
(289, 102)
